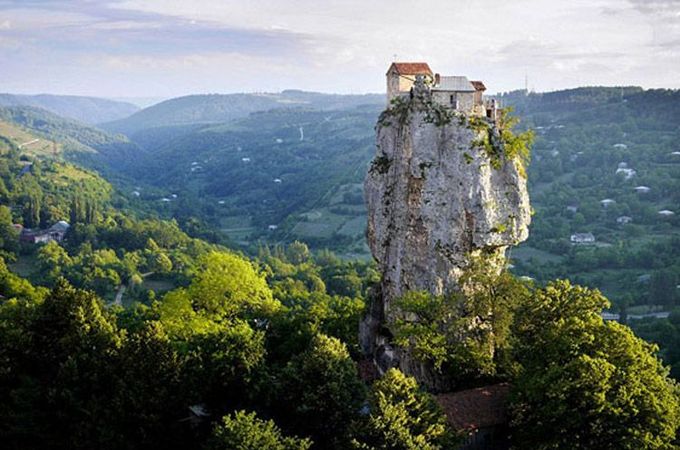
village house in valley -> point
(582, 238)
(455, 92)
(54, 233)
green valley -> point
(202, 250)
(296, 173)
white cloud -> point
(345, 45)
(26, 19)
(489, 38)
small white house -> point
(277, 180)
(245, 160)
(607, 202)
(272, 227)
(455, 92)
(572, 208)
(644, 278)
(582, 238)
(55, 233)
(628, 173)
(622, 165)
(622, 220)
(642, 189)
(621, 146)
(666, 212)
(609, 316)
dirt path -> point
(29, 143)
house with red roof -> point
(480, 415)
(454, 92)
(401, 76)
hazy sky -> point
(164, 48)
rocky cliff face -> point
(436, 199)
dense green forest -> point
(263, 353)
(173, 315)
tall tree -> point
(586, 383)
(64, 376)
(245, 431)
(402, 417)
(322, 393)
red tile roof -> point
(411, 68)
(478, 85)
(476, 408)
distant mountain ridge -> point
(89, 110)
(219, 108)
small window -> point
(453, 101)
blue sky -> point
(165, 48)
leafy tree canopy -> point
(245, 431)
(586, 383)
(402, 417)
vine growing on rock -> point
(436, 113)
(399, 109)
(501, 141)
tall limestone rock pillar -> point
(436, 198)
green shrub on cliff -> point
(501, 141)
(465, 337)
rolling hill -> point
(217, 108)
(90, 110)
(73, 140)
(275, 175)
